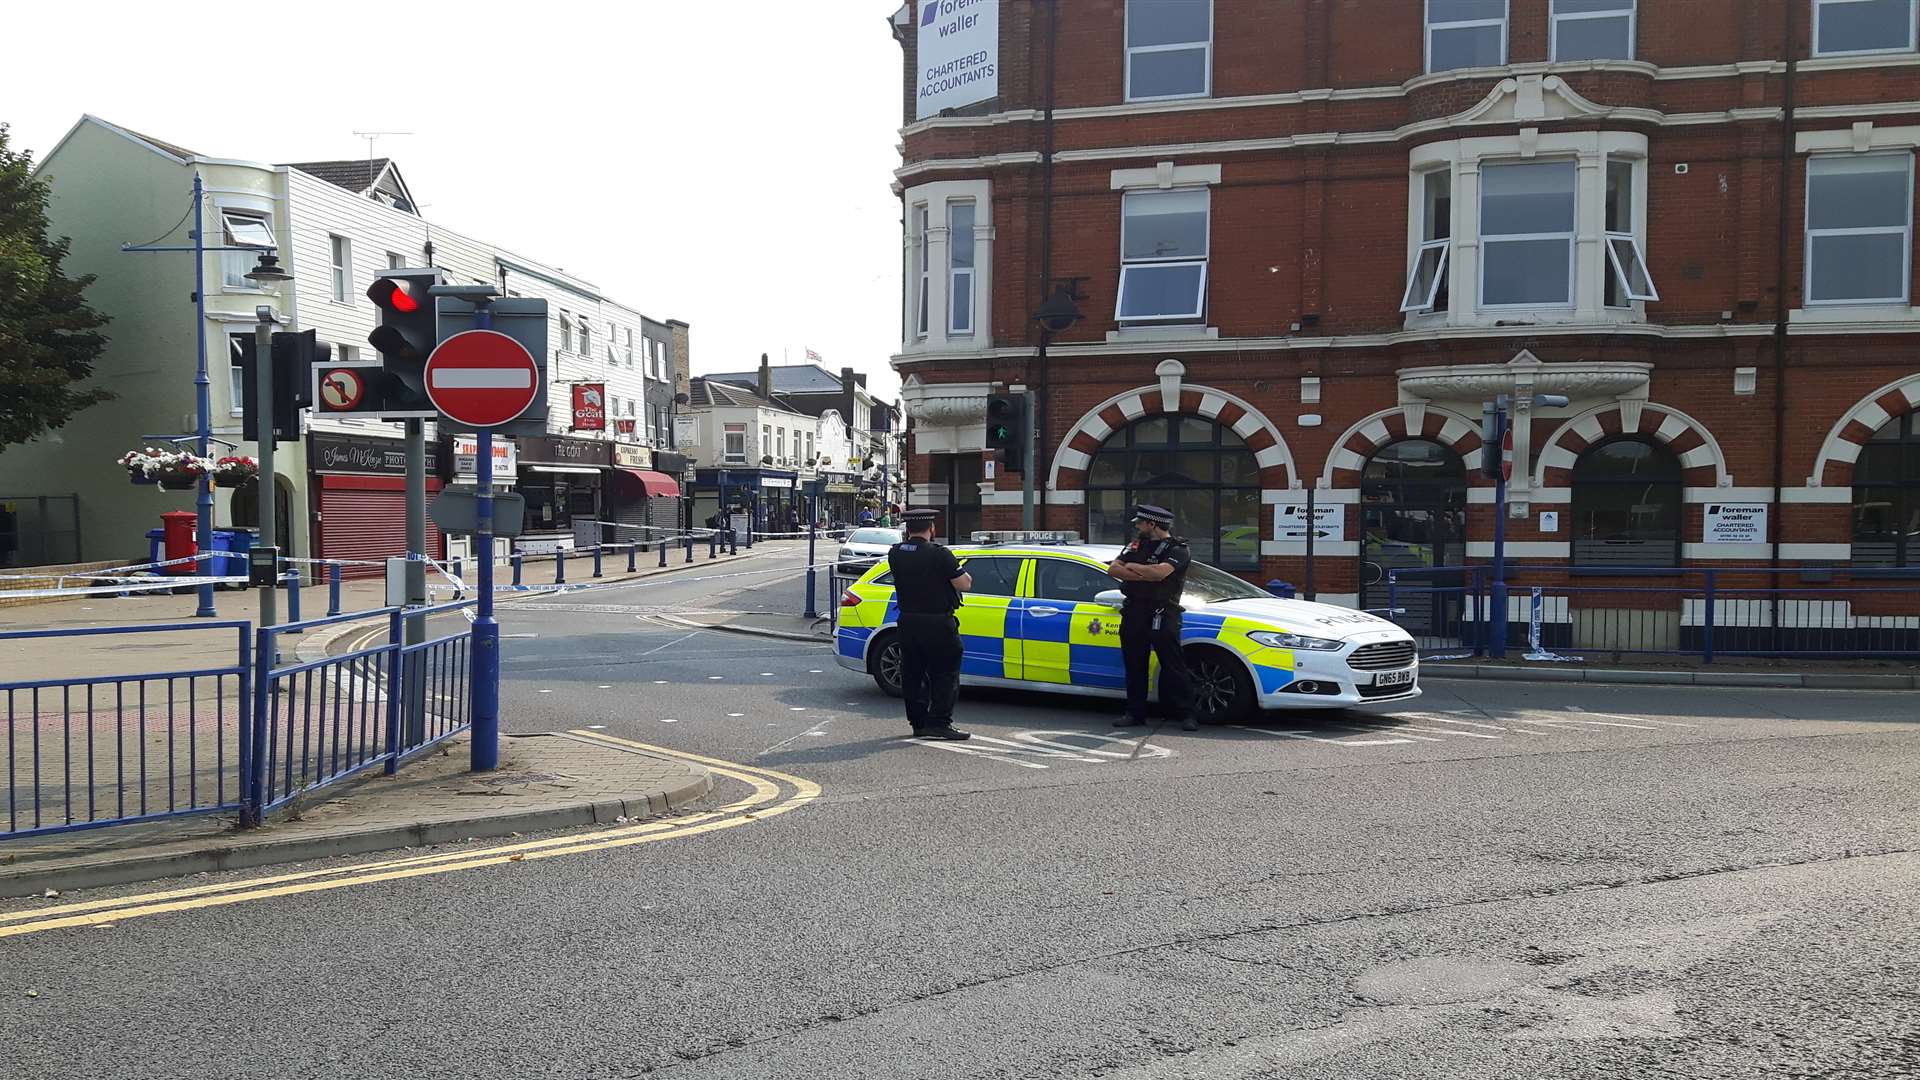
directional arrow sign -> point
(481, 378)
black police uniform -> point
(923, 576)
(1150, 626)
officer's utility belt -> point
(1159, 612)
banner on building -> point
(1736, 523)
(959, 54)
(590, 406)
(466, 457)
(686, 431)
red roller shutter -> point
(365, 517)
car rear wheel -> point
(885, 662)
(1222, 689)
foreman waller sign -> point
(959, 54)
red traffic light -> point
(395, 294)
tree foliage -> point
(49, 337)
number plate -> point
(1394, 678)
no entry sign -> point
(481, 378)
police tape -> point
(145, 585)
(116, 572)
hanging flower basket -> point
(236, 473)
(173, 470)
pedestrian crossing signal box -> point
(263, 567)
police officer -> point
(927, 583)
(1152, 572)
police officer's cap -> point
(920, 516)
(1159, 515)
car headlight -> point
(1280, 639)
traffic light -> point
(1007, 428)
(295, 355)
(408, 331)
(1493, 434)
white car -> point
(1046, 617)
(864, 548)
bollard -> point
(459, 569)
(559, 566)
(293, 594)
(733, 542)
(516, 567)
(333, 590)
(663, 551)
(633, 551)
(597, 549)
(713, 546)
(689, 547)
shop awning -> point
(654, 483)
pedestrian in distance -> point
(927, 583)
(1152, 572)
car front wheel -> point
(1222, 689)
(885, 662)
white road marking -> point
(1438, 719)
(546, 691)
(668, 720)
(518, 635)
(959, 748)
(1566, 721)
(604, 686)
(715, 678)
(814, 730)
(659, 682)
(736, 714)
(1319, 739)
(596, 727)
(766, 673)
(672, 643)
(815, 671)
(1646, 719)
(796, 708)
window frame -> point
(1555, 17)
(921, 320)
(340, 266)
(1610, 239)
(1126, 446)
(1807, 234)
(232, 260)
(1128, 52)
(585, 337)
(1571, 236)
(236, 374)
(396, 261)
(1913, 31)
(1428, 26)
(955, 271)
(566, 331)
(1904, 487)
(727, 454)
(1443, 243)
(1677, 481)
(1128, 266)
(1018, 566)
(1042, 562)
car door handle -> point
(1043, 611)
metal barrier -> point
(323, 721)
(90, 750)
(1706, 612)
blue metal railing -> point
(320, 722)
(83, 751)
(1703, 612)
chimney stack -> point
(766, 378)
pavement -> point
(549, 780)
(1554, 880)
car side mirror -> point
(1112, 598)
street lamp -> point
(266, 272)
(1056, 315)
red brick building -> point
(1310, 238)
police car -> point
(1043, 614)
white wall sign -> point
(1330, 522)
(686, 431)
(1736, 523)
(959, 53)
(992, 468)
(1549, 521)
(466, 454)
(776, 482)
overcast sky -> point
(726, 163)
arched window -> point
(1413, 505)
(1201, 471)
(1626, 505)
(1886, 497)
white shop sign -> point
(1736, 523)
(466, 456)
(1330, 522)
(776, 482)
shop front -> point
(839, 500)
(564, 482)
(359, 499)
(763, 500)
(643, 499)
(461, 453)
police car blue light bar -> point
(1027, 536)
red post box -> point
(180, 544)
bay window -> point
(1466, 34)
(1526, 234)
(245, 230)
(1859, 228)
(1841, 27)
(1592, 30)
(1169, 49)
(1163, 256)
(947, 265)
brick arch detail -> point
(1841, 451)
(1370, 433)
(1702, 462)
(1084, 439)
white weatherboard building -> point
(337, 226)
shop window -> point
(1466, 33)
(1859, 228)
(1163, 255)
(1626, 505)
(1169, 49)
(1886, 497)
(1201, 471)
(1593, 30)
(1841, 27)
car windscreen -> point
(881, 537)
(1210, 586)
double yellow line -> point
(774, 793)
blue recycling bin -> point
(1282, 589)
(230, 548)
(156, 540)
